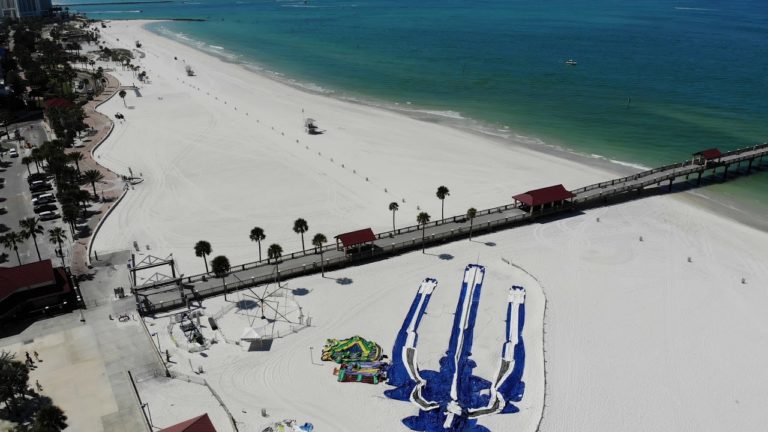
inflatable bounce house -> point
(354, 349)
(362, 372)
(359, 360)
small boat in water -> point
(571, 62)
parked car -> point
(37, 177)
(38, 186)
(48, 215)
(13, 153)
(45, 207)
(43, 199)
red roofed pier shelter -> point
(354, 239)
(198, 424)
(539, 199)
(705, 156)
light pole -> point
(311, 355)
(157, 336)
(149, 414)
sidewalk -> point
(111, 185)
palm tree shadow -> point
(443, 256)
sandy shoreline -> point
(638, 336)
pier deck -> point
(173, 293)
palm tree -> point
(442, 192)
(300, 227)
(422, 219)
(92, 176)
(57, 236)
(49, 418)
(203, 249)
(69, 214)
(318, 240)
(471, 213)
(82, 197)
(30, 227)
(393, 207)
(122, 94)
(12, 240)
(275, 251)
(26, 160)
(257, 235)
(76, 157)
(220, 267)
(14, 381)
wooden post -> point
(698, 182)
(670, 185)
(749, 167)
(725, 173)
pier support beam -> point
(698, 182)
(670, 185)
(725, 173)
(749, 167)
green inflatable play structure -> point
(351, 349)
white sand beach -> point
(637, 337)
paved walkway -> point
(111, 186)
(123, 346)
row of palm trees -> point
(220, 264)
(31, 228)
(442, 193)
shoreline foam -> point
(739, 210)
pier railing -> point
(285, 270)
(400, 244)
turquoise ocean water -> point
(656, 80)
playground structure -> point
(270, 310)
(192, 338)
(191, 330)
(354, 349)
(452, 398)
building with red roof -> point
(545, 197)
(355, 239)
(34, 287)
(704, 156)
(198, 424)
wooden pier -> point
(710, 166)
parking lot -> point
(16, 197)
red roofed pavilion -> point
(198, 424)
(355, 238)
(707, 155)
(548, 196)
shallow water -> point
(655, 80)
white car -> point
(43, 199)
(13, 153)
(48, 215)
